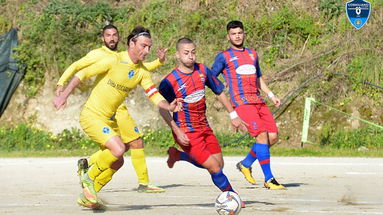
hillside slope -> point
(296, 41)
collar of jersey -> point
(236, 50)
(125, 58)
(184, 73)
(108, 50)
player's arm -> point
(263, 86)
(60, 100)
(218, 65)
(97, 68)
(85, 61)
(217, 87)
(168, 92)
(161, 53)
(155, 97)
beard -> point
(238, 46)
(111, 45)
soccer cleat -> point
(246, 172)
(272, 184)
(142, 188)
(82, 168)
(84, 202)
(88, 189)
(174, 156)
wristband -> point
(270, 94)
(233, 115)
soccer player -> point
(111, 38)
(190, 127)
(97, 117)
(241, 71)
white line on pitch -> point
(361, 173)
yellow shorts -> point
(101, 129)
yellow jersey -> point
(119, 79)
(95, 56)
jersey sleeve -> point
(85, 61)
(153, 65)
(95, 69)
(150, 89)
(213, 83)
(258, 68)
(218, 65)
(167, 90)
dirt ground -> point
(314, 186)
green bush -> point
(369, 137)
(25, 137)
(71, 29)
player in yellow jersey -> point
(97, 117)
(110, 37)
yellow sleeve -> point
(150, 89)
(95, 69)
(91, 58)
(153, 65)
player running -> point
(240, 68)
(97, 117)
(190, 127)
(126, 125)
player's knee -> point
(214, 168)
(273, 139)
(262, 137)
(118, 150)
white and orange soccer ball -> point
(228, 203)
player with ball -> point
(190, 127)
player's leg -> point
(114, 151)
(131, 135)
(175, 155)
(105, 176)
(263, 145)
(250, 114)
(137, 156)
(273, 138)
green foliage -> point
(352, 139)
(366, 67)
(70, 28)
(331, 8)
(285, 28)
(28, 138)
(162, 138)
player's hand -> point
(59, 90)
(276, 101)
(176, 105)
(182, 138)
(59, 102)
(161, 54)
(239, 124)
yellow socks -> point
(93, 158)
(139, 163)
(103, 179)
(103, 162)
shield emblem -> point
(358, 12)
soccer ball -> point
(228, 203)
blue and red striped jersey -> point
(191, 88)
(241, 71)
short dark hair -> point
(109, 26)
(136, 32)
(183, 40)
(234, 24)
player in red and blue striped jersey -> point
(190, 127)
(240, 69)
